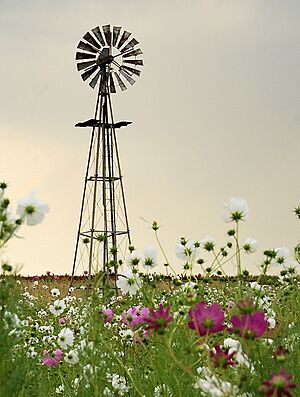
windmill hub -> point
(104, 60)
(109, 46)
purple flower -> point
(62, 320)
(159, 319)
(220, 357)
(107, 315)
(135, 315)
(278, 385)
(53, 359)
(250, 326)
(206, 319)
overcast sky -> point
(215, 114)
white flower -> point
(271, 322)
(213, 386)
(208, 243)
(236, 210)
(282, 255)
(250, 245)
(32, 209)
(55, 292)
(119, 384)
(129, 282)
(189, 250)
(58, 307)
(162, 391)
(72, 357)
(234, 346)
(60, 389)
(255, 285)
(65, 338)
(134, 259)
(149, 260)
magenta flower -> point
(250, 326)
(206, 319)
(107, 315)
(135, 315)
(53, 359)
(220, 358)
(158, 320)
(278, 385)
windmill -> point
(106, 59)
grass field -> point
(173, 337)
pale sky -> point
(216, 113)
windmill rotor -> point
(109, 53)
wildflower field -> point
(138, 333)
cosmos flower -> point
(234, 346)
(206, 319)
(107, 315)
(134, 259)
(278, 385)
(58, 307)
(119, 384)
(250, 245)
(129, 282)
(149, 260)
(72, 357)
(208, 243)
(250, 326)
(135, 315)
(65, 338)
(159, 319)
(32, 210)
(53, 359)
(282, 255)
(55, 292)
(188, 251)
(236, 210)
(221, 357)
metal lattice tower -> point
(107, 59)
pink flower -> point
(221, 358)
(135, 315)
(278, 385)
(62, 320)
(53, 359)
(140, 336)
(250, 326)
(206, 319)
(107, 315)
(158, 320)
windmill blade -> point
(89, 72)
(98, 34)
(135, 62)
(116, 33)
(123, 38)
(82, 55)
(120, 82)
(132, 53)
(127, 77)
(112, 86)
(95, 79)
(107, 34)
(84, 65)
(132, 71)
(90, 39)
(131, 44)
(86, 47)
